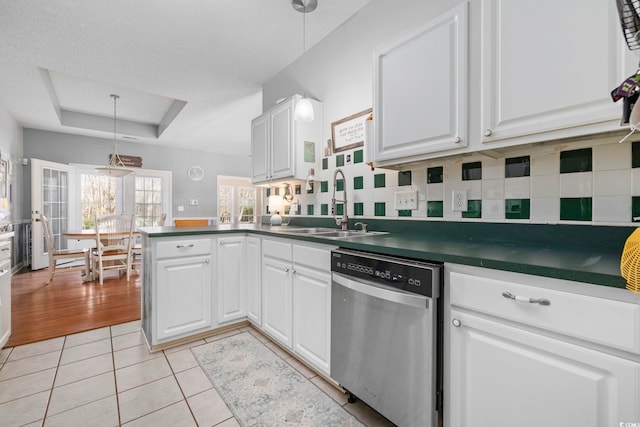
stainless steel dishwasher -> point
(384, 334)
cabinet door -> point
(276, 299)
(420, 90)
(253, 276)
(282, 137)
(503, 376)
(183, 296)
(259, 148)
(312, 316)
(548, 68)
(5, 300)
(230, 285)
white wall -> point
(11, 149)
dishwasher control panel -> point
(409, 275)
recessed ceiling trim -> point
(105, 124)
(171, 114)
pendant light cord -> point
(115, 161)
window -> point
(148, 200)
(98, 197)
(236, 200)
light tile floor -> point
(106, 377)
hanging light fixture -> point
(304, 108)
(116, 167)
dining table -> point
(91, 235)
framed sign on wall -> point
(349, 132)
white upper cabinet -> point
(420, 91)
(548, 68)
(282, 148)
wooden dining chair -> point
(137, 247)
(55, 254)
(113, 244)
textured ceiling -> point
(193, 69)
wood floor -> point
(67, 305)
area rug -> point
(261, 389)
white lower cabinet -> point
(5, 288)
(230, 283)
(296, 298)
(183, 296)
(253, 279)
(510, 362)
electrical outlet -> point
(459, 201)
(406, 200)
(180, 208)
(193, 202)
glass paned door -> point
(49, 196)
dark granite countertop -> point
(588, 254)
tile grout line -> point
(55, 376)
(115, 381)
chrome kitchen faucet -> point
(344, 221)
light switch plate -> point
(406, 200)
(193, 202)
(459, 201)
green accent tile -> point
(474, 209)
(471, 171)
(276, 191)
(435, 209)
(287, 210)
(517, 166)
(324, 209)
(310, 191)
(635, 154)
(339, 208)
(576, 209)
(404, 212)
(325, 163)
(576, 161)
(358, 209)
(517, 209)
(358, 182)
(324, 186)
(298, 189)
(339, 160)
(379, 180)
(268, 192)
(635, 208)
(434, 175)
(379, 208)
(309, 209)
(358, 156)
(404, 178)
(340, 185)
(299, 209)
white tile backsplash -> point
(612, 157)
(576, 184)
(611, 185)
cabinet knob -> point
(286, 270)
(457, 140)
(207, 260)
(456, 322)
(221, 242)
(488, 132)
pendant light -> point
(116, 167)
(304, 109)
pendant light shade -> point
(304, 108)
(115, 168)
(304, 111)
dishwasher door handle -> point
(373, 290)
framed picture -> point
(348, 133)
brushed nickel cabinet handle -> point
(526, 300)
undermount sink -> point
(349, 233)
(312, 230)
(329, 233)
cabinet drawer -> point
(319, 258)
(180, 248)
(599, 320)
(276, 249)
(5, 249)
